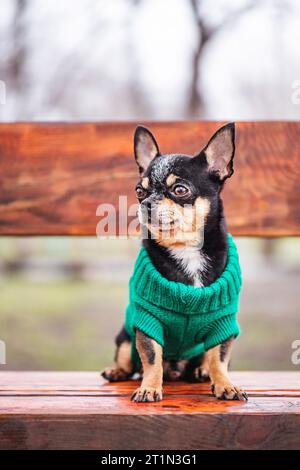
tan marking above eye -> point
(171, 179)
(145, 183)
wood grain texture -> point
(53, 176)
(47, 410)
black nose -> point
(148, 209)
(149, 204)
(146, 203)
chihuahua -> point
(194, 254)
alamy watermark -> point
(2, 92)
(2, 352)
(158, 220)
(295, 357)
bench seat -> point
(79, 410)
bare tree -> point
(14, 70)
(206, 32)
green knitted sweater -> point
(185, 320)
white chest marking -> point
(192, 261)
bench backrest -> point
(54, 175)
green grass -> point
(68, 325)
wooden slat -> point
(48, 382)
(47, 410)
(53, 176)
(48, 406)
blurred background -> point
(62, 299)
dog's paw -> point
(114, 374)
(199, 375)
(227, 391)
(148, 394)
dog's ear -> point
(145, 148)
(219, 152)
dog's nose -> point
(146, 204)
(149, 210)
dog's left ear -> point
(145, 148)
(219, 152)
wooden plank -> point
(263, 383)
(190, 424)
(97, 415)
(53, 176)
(44, 406)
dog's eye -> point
(140, 192)
(180, 190)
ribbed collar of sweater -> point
(149, 286)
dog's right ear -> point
(145, 148)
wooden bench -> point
(70, 410)
(52, 178)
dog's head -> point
(177, 193)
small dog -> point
(193, 252)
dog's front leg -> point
(217, 361)
(150, 353)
